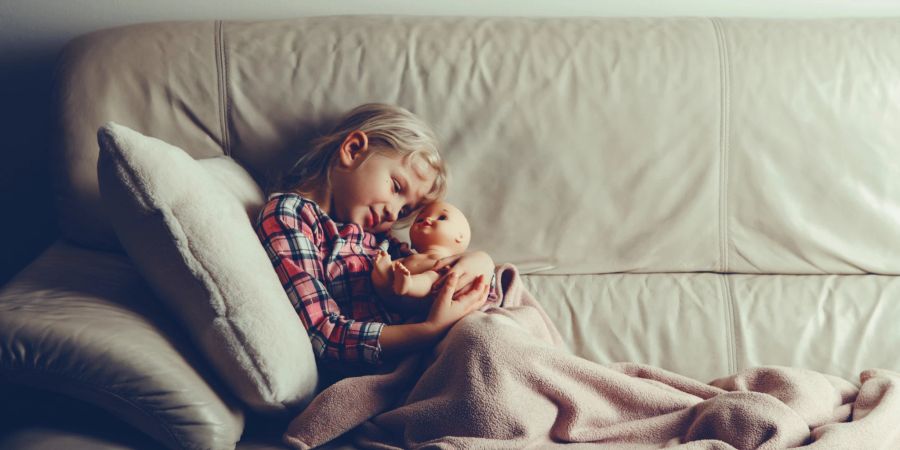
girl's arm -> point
(445, 311)
(289, 229)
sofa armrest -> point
(83, 323)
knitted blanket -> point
(502, 379)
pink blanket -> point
(501, 379)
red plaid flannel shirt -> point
(325, 268)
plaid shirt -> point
(325, 268)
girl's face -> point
(374, 189)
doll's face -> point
(440, 224)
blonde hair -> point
(389, 128)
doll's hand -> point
(382, 261)
(402, 278)
(467, 266)
(381, 274)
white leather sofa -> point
(699, 194)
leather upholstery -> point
(709, 325)
(609, 145)
(680, 149)
(83, 323)
(158, 78)
(40, 420)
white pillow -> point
(187, 226)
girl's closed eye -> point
(397, 187)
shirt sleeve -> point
(288, 228)
(397, 249)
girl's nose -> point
(429, 220)
(389, 215)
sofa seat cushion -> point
(707, 325)
(83, 323)
(37, 419)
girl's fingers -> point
(439, 264)
(476, 291)
(449, 287)
(444, 262)
(480, 300)
(441, 280)
(462, 279)
(474, 284)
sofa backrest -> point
(589, 145)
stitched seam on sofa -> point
(171, 220)
(227, 85)
(101, 389)
(221, 74)
(724, 78)
(730, 324)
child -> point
(439, 231)
(322, 232)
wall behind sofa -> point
(33, 31)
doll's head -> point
(442, 225)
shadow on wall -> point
(28, 223)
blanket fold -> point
(501, 378)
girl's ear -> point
(355, 145)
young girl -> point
(326, 223)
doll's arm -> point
(415, 286)
(382, 275)
(383, 281)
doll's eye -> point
(404, 211)
(442, 217)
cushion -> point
(187, 226)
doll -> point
(440, 230)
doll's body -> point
(439, 231)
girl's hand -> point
(467, 267)
(446, 311)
